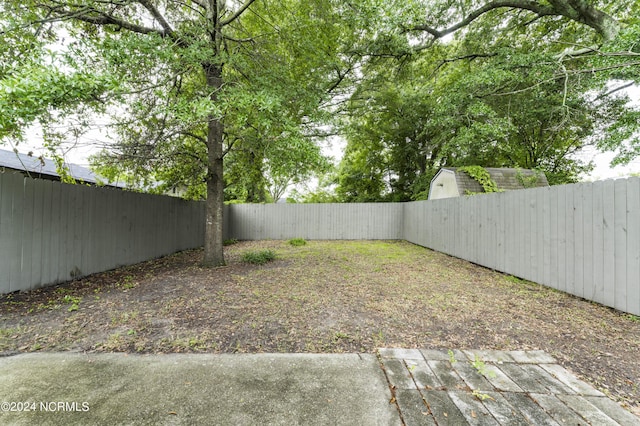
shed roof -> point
(505, 179)
(46, 167)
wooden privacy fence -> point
(354, 221)
(583, 239)
(52, 232)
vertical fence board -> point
(570, 246)
(578, 247)
(562, 239)
(598, 242)
(532, 229)
(588, 234)
(554, 243)
(608, 235)
(17, 212)
(620, 237)
(10, 185)
(38, 236)
(523, 235)
(545, 236)
(633, 246)
(26, 272)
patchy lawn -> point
(342, 296)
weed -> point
(452, 357)
(229, 242)
(131, 332)
(297, 242)
(482, 368)
(378, 339)
(258, 257)
(124, 318)
(195, 343)
(341, 335)
(113, 342)
(632, 317)
(514, 280)
(127, 283)
(481, 396)
(74, 301)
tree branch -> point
(532, 6)
(157, 16)
(576, 10)
(93, 16)
(238, 13)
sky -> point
(79, 151)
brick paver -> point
(480, 387)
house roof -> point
(505, 179)
(46, 167)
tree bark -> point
(213, 249)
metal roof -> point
(47, 167)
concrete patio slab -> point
(188, 389)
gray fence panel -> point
(52, 232)
(633, 246)
(316, 221)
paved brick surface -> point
(482, 387)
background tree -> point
(517, 84)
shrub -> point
(296, 242)
(258, 257)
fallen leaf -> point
(473, 414)
(445, 414)
(392, 400)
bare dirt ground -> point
(346, 296)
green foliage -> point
(504, 93)
(528, 181)
(73, 301)
(297, 242)
(482, 176)
(259, 257)
(230, 242)
(481, 367)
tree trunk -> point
(213, 251)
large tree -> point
(184, 82)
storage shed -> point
(455, 182)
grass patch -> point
(229, 242)
(259, 257)
(297, 242)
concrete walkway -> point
(413, 386)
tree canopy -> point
(500, 84)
